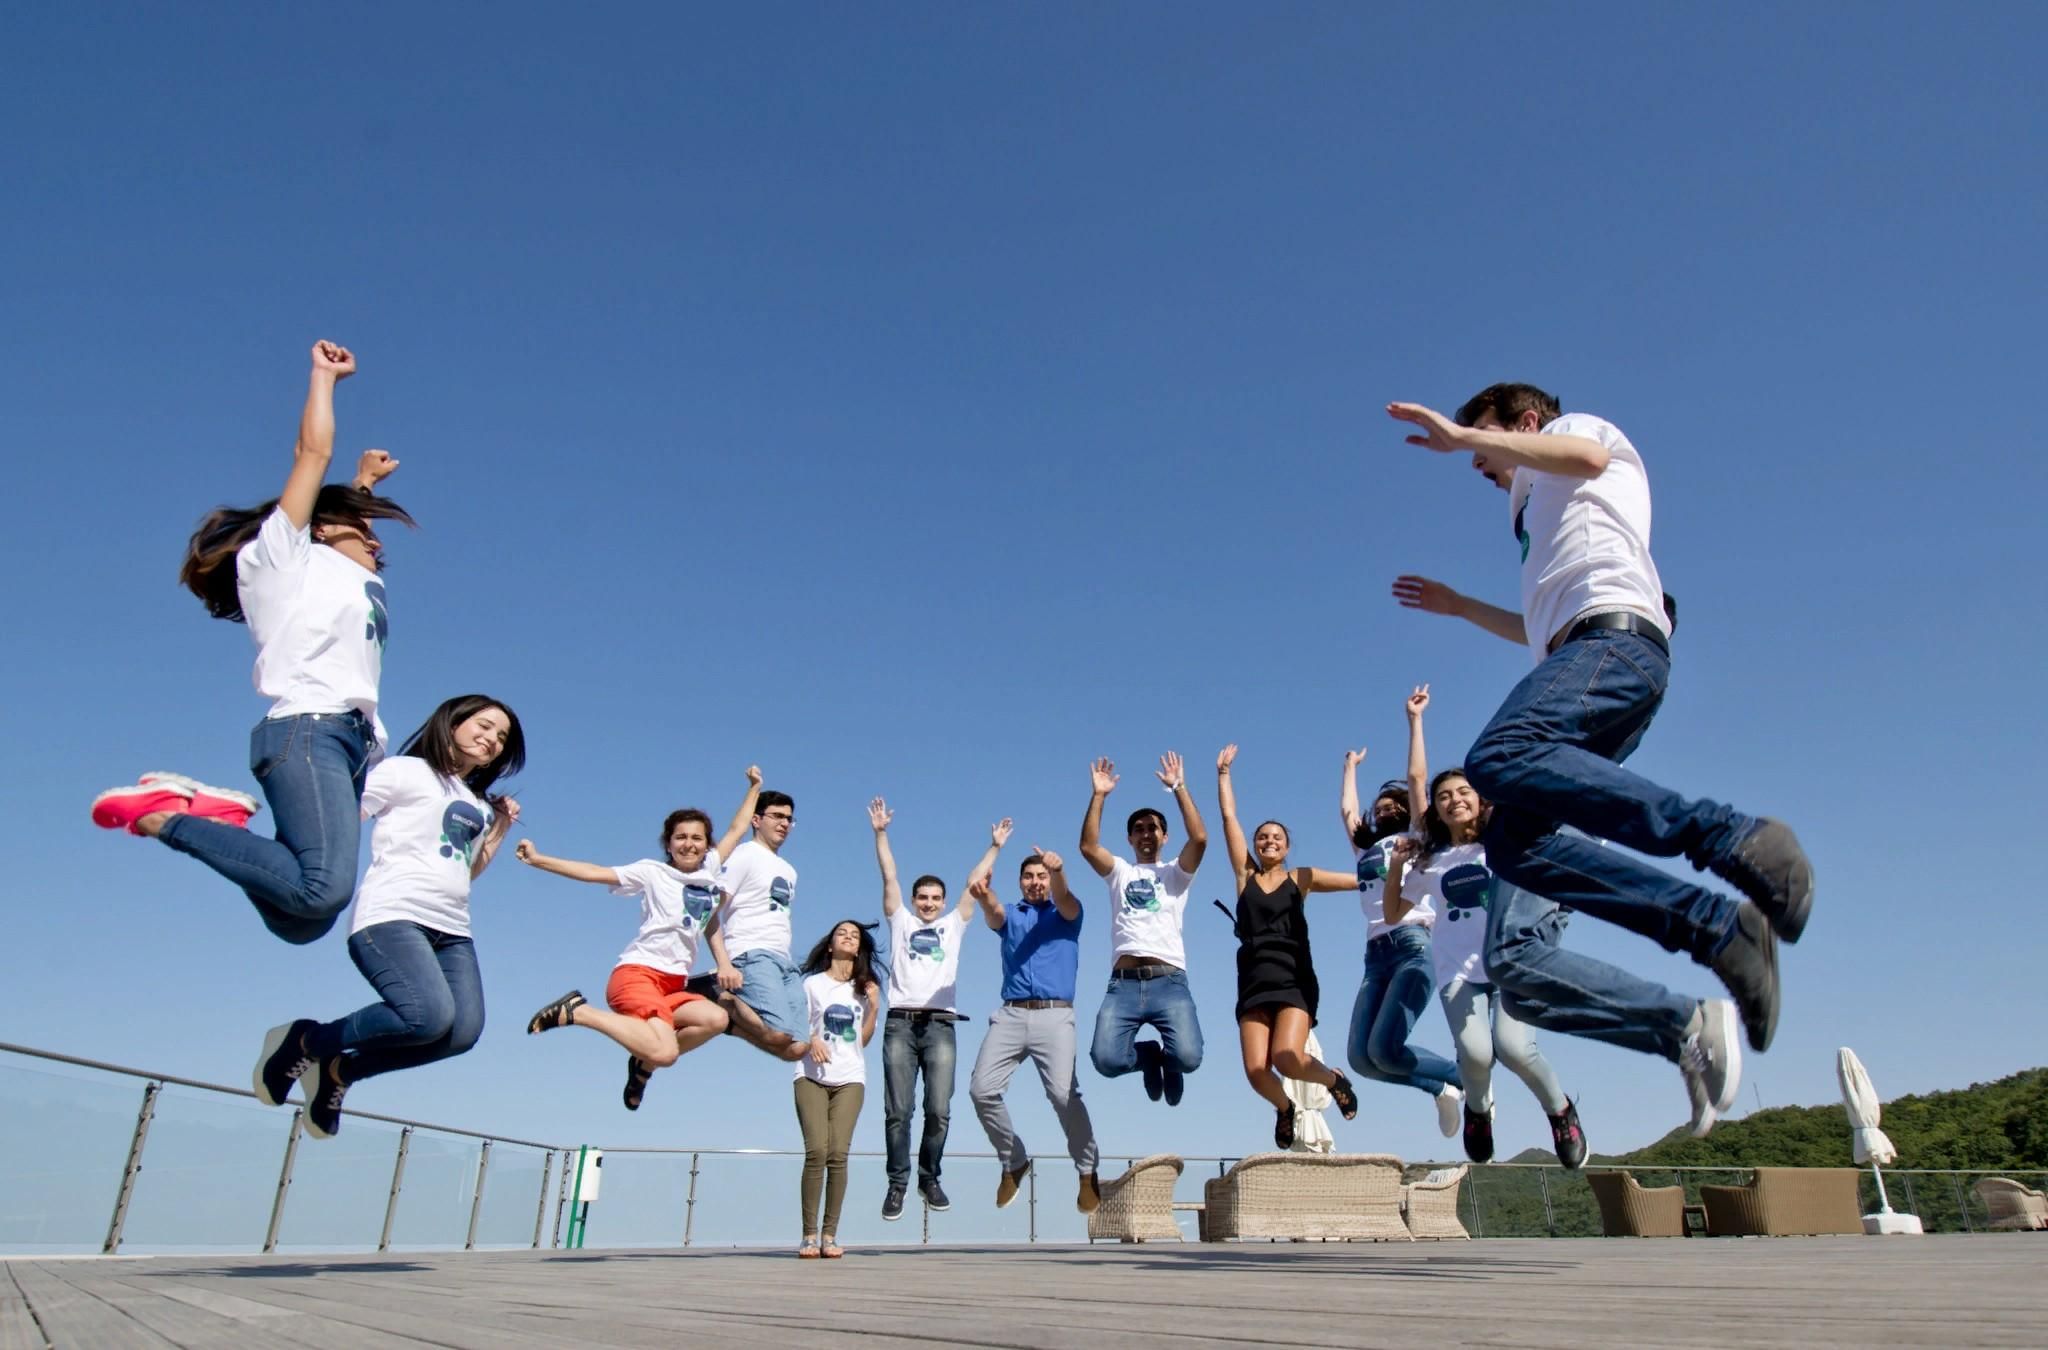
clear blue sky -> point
(921, 400)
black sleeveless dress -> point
(1274, 967)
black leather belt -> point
(1158, 972)
(1617, 622)
(1038, 1004)
(916, 1014)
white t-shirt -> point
(1456, 881)
(759, 888)
(924, 958)
(1585, 542)
(836, 1012)
(318, 620)
(674, 907)
(1149, 900)
(1374, 862)
(427, 832)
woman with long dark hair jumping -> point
(841, 996)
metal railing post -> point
(1961, 1203)
(540, 1213)
(476, 1203)
(927, 1220)
(284, 1180)
(561, 1200)
(1031, 1179)
(133, 1169)
(397, 1180)
(1912, 1206)
(690, 1203)
(1549, 1215)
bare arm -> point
(1567, 456)
(998, 835)
(1392, 906)
(879, 816)
(1175, 777)
(1063, 899)
(564, 867)
(1314, 879)
(1347, 799)
(1433, 597)
(373, 468)
(984, 895)
(1226, 803)
(503, 818)
(742, 819)
(1103, 775)
(314, 449)
(1418, 757)
(729, 977)
(871, 995)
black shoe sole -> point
(1788, 913)
(556, 1015)
(1758, 1008)
(938, 1209)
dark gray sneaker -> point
(1770, 868)
(1151, 1069)
(283, 1061)
(934, 1197)
(1748, 965)
(892, 1203)
(324, 1090)
(1711, 1060)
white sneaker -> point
(1450, 1110)
(1711, 1060)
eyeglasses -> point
(783, 816)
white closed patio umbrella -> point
(1311, 1131)
(1871, 1144)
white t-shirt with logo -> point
(318, 620)
(759, 887)
(1457, 883)
(1375, 860)
(924, 958)
(1585, 541)
(674, 907)
(836, 1012)
(426, 833)
(1150, 900)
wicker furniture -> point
(1138, 1206)
(1431, 1207)
(1781, 1201)
(2012, 1206)
(1307, 1197)
(1630, 1210)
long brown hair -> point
(209, 568)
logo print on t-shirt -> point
(926, 942)
(1521, 531)
(698, 902)
(780, 892)
(1141, 894)
(461, 823)
(1372, 868)
(380, 618)
(839, 1023)
(1467, 888)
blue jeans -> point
(311, 768)
(773, 987)
(433, 1001)
(911, 1045)
(1551, 758)
(1400, 979)
(1131, 1004)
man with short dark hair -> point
(1148, 980)
(1595, 618)
(759, 985)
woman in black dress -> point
(1276, 977)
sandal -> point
(638, 1071)
(833, 1251)
(1283, 1128)
(1346, 1099)
(809, 1250)
(560, 1013)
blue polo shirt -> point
(1041, 952)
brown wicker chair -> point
(1783, 1201)
(1138, 1206)
(1431, 1207)
(1630, 1210)
(2011, 1205)
(1307, 1197)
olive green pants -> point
(826, 1116)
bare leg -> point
(650, 1039)
(1290, 1053)
(748, 1026)
(1254, 1036)
(696, 1023)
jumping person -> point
(1277, 993)
(438, 825)
(840, 992)
(1594, 618)
(1399, 970)
(654, 1014)
(1041, 952)
(924, 972)
(302, 571)
(1148, 981)
(760, 988)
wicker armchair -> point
(1431, 1207)
(1138, 1205)
(1782, 1201)
(1630, 1210)
(2011, 1205)
(1307, 1197)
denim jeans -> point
(1132, 1004)
(432, 1008)
(1400, 978)
(1550, 758)
(913, 1045)
(311, 768)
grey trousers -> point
(1046, 1037)
(1484, 1032)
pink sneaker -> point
(225, 805)
(119, 808)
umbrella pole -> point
(1884, 1201)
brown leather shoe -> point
(1006, 1189)
(1091, 1194)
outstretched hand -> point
(1439, 433)
(1171, 772)
(980, 889)
(334, 359)
(1000, 832)
(1053, 862)
(1431, 597)
(1103, 774)
(526, 852)
(1418, 700)
(1226, 757)
(879, 815)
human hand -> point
(729, 978)
(526, 852)
(754, 775)
(820, 1052)
(373, 468)
(1439, 433)
(333, 359)
(879, 815)
(1103, 775)
(1170, 771)
(1226, 757)
(1417, 701)
(1431, 597)
(1053, 862)
(1354, 758)
(1000, 832)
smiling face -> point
(1269, 844)
(1035, 881)
(1147, 834)
(928, 899)
(481, 738)
(1389, 813)
(846, 940)
(688, 842)
(352, 540)
(1459, 807)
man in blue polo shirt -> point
(1041, 941)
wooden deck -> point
(1949, 1291)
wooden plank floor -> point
(1989, 1290)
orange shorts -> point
(644, 992)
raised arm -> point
(1173, 774)
(1102, 774)
(879, 816)
(1226, 803)
(373, 468)
(1063, 899)
(998, 835)
(1433, 597)
(1567, 456)
(742, 819)
(1347, 798)
(564, 867)
(983, 894)
(332, 363)
(1418, 757)
(504, 815)
(1312, 879)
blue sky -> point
(922, 401)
